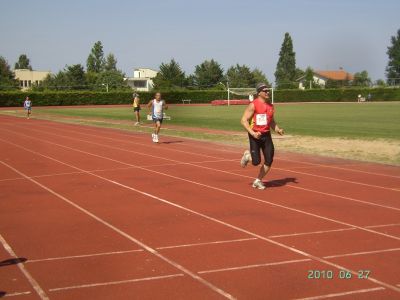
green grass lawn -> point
(347, 120)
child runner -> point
(157, 107)
(257, 119)
(28, 107)
(136, 108)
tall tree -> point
(286, 67)
(240, 76)
(362, 79)
(208, 74)
(393, 67)
(95, 60)
(110, 63)
(23, 62)
(170, 76)
(7, 80)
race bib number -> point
(261, 120)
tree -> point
(393, 67)
(240, 76)
(259, 77)
(309, 79)
(75, 75)
(362, 79)
(110, 63)
(208, 74)
(170, 76)
(23, 63)
(285, 73)
(380, 82)
(114, 79)
(7, 80)
(95, 60)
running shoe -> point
(245, 158)
(153, 137)
(258, 184)
(156, 138)
(137, 123)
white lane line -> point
(362, 253)
(188, 152)
(193, 275)
(199, 184)
(28, 276)
(203, 167)
(330, 230)
(17, 294)
(82, 256)
(337, 179)
(206, 243)
(310, 232)
(255, 266)
(126, 235)
(114, 282)
(383, 225)
(354, 292)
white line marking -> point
(207, 243)
(362, 253)
(310, 232)
(114, 282)
(82, 256)
(202, 184)
(16, 294)
(131, 238)
(337, 179)
(203, 167)
(342, 294)
(383, 225)
(193, 275)
(255, 266)
(28, 276)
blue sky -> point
(352, 34)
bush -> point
(48, 98)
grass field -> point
(367, 131)
(346, 120)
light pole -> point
(106, 85)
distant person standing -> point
(258, 119)
(369, 97)
(136, 108)
(157, 107)
(251, 97)
(28, 107)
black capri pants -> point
(264, 144)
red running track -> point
(93, 213)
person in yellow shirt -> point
(136, 108)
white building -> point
(27, 78)
(142, 79)
(321, 77)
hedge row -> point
(15, 98)
(336, 95)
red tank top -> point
(263, 115)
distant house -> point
(142, 79)
(321, 77)
(27, 78)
